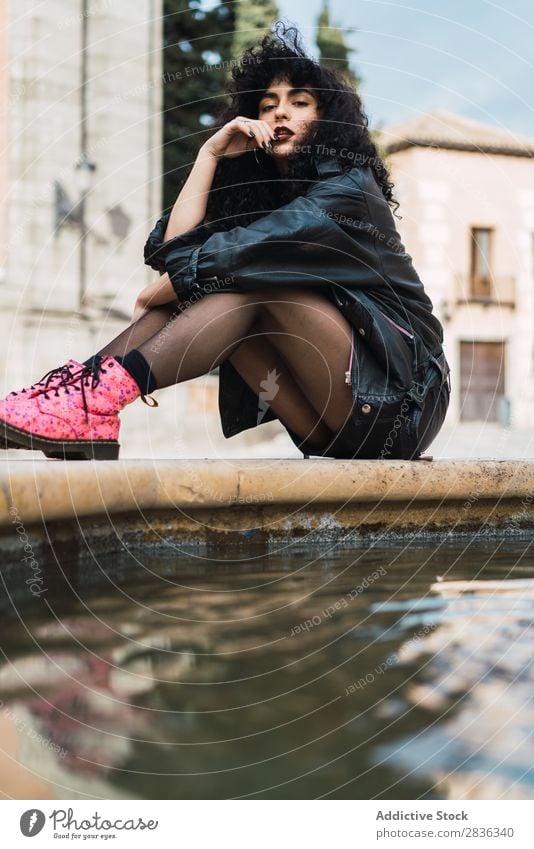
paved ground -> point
(479, 440)
(463, 442)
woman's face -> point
(285, 106)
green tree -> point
(253, 20)
(333, 51)
(197, 54)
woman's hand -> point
(240, 135)
(159, 292)
(139, 311)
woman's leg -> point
(311, 337)
(269, 375)
(78, 416)
(141, 330)
(314, 339)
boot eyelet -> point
(366, 408)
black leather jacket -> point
(340, 236)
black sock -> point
(136, 365)
(92, 360)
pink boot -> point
(78, 418)
(52, 378)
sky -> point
(472, 57)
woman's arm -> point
(232, 139)
(189, 210)
(307, 242)
(190, 206)
(161, 291)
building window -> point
(481, 249)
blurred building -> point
(467, 199)
(80, 181)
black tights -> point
(290, 342)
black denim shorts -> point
(394, 431)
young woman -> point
(279, 263)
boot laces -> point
(65, 372)
(79, 381)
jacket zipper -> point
(348, 373)
(394, 323)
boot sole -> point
(70, 449)
(5, 444)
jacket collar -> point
(326, 167)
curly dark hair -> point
(247, 186)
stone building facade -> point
(467, 199)
(81, 83)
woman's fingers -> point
(246, 128)
(244, 124)
(269, 130)
(268, 133)
(262, 134)
(258, 130)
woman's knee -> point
(283, 305)
(292, 294)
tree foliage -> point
(197, 51)
(333, 50)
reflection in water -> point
(305, 673)
(480, 683)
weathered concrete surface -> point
(208, 499)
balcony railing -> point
(500, 291)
